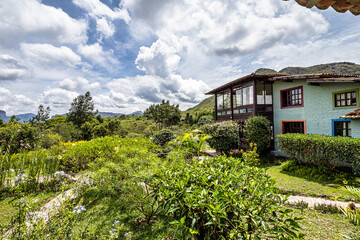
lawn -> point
(316, 225)
(299, 184)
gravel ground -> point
(312, 201)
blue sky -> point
(133, 53)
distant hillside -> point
(23, 117)
(334, 68)
(206, 104)
(110, 114)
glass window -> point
(268, 93)
(293, 127)
(223, 100)
(244, 96)
(292, 97)
(260, 93)
(345, 99)
(342, 128)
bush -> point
(163, 136)
(224, 135)
(257, 130)
(224, 198)
(318, 150)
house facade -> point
(317, 103)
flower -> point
(345, 182)
(59, 157)
(62, 173)
(79, 209)
(116, 149)
(116, 222)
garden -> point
(136, 178)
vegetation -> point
(163, 113)
(257, 130)
(330, 68)
(222, 198)
(318, 150)
(82, 109)
(224, 135)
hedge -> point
(322, 150)
(224, 135)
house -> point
(338, 5)
(326, 104)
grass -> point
(316, 225)
(7, 210)
(299, 184)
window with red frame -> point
(292, 97)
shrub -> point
(322, 150)
(224, 135)
(163, 136)
(257, 130)
(224, 198)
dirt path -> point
(314, 201)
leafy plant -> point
(224, 135)
(257, 130)
(312, 149)
(163, 136)
(192, 142)
(327, 208)
(223, 198)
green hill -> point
(334, 68)
(206, 104)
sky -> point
(133, 53)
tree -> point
(82, 109)
(163, 113)
(257, 130)
(42, 114)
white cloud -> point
(11, 68)
(59, 99)
(79, 84)
(51, 55)
(15, 103)
(209, 35)
(105, 27)
(96, 54)
(159, 60)
(103, 15)
(30, 19)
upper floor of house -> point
(287, 96)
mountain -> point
(206, 104)
(110, 114)
(23, 117)
(332, 68)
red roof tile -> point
(352, 115)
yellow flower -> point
(59, 157)
(345, 182)
(116, 149)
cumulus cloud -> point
(60, 99)
(79, 84)
(30, 19)
(51, 55)
(15, 103)
(11, 68)
(209, 34)
(159, 60)
(103, 15)
(97, 55)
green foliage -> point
(82, 109)
(316, 173)
(192, 143)
(42, 114)
(163, 113)
(206, 119)
(257, 130)
(318, 150)
(163, 137)
(223, 198)
(16, 137)
(48, 139)
(224, 135)
(327, 208)
(86, 131)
